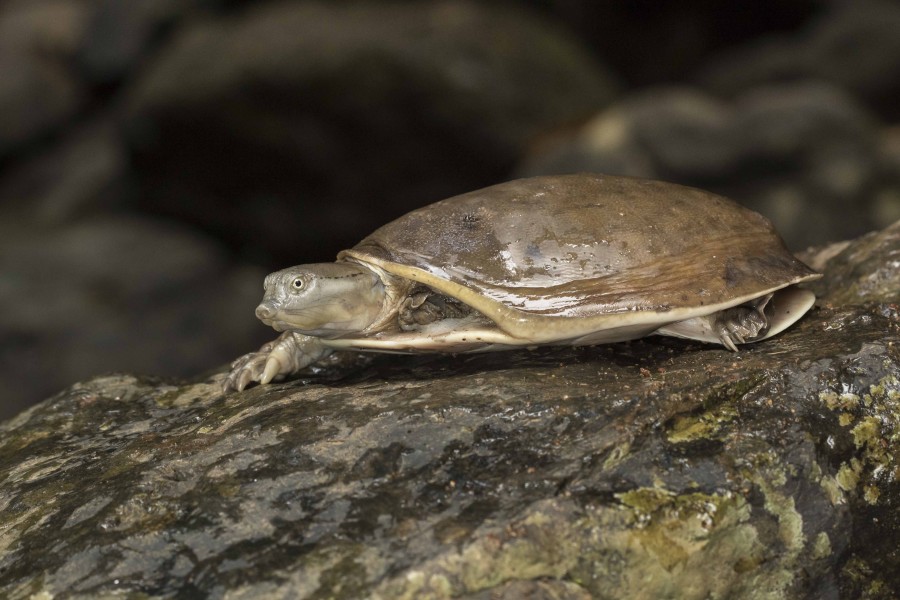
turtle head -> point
(322, 300)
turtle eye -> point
(298, 284)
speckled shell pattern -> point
(588, 245)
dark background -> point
(158, 157)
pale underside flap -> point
(473, 334)
(788, 305)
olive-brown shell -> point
(588, 245)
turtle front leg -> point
(281, 357)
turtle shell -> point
(549, 258)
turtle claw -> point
(245, 371)
(243, 380)
(271, 370)
(727, 342)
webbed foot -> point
(742, 324)
(277, 359)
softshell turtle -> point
(569, 260)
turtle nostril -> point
(265, 311)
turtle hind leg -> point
(748, 322)
(736, 325)
(742, 324)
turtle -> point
(575, 259)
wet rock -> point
(300, 126)
(859, 268)
(806, 155)
(112, 293)
(854, 46)
(657, 468)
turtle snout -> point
(266, 311)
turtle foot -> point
(279, 358)
(742, 324)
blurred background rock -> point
(158, 157)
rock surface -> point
(657, 468)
